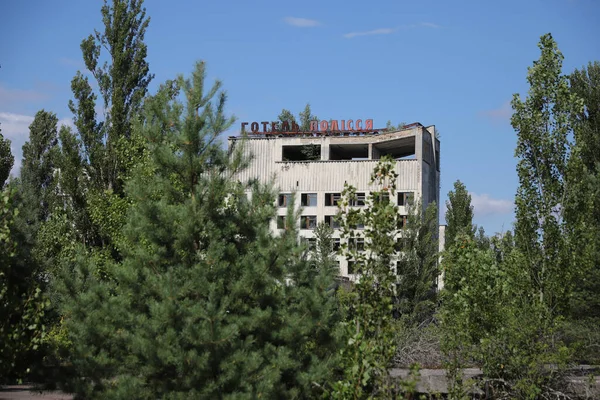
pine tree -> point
(459, 213)
(206, 302)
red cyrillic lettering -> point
(349, 125)
(324, 125)
(314, 126)
(358, 124)
(369, 124)
(265, 124)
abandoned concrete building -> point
(314, 166)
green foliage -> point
(543, 123)
(368, 308)
(392, 128)
(417, 266)
(459, 213)
(22, 305)
(206, 302)
(582, 208)
(304, 117)
(6, 159)
(492, 318)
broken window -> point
(308, 222)
(284, 199)
(332, 199)
(405, 198)
(308, 152)
(281, 222)
(359, 201)
(309, 199)
(332, 222)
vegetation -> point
(133, 263)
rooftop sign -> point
(323, 127)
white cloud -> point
(301, 22)
(500, 114)
(430, 25)
(387, 31)
(380, 31)
(485, 205)
(15, 127)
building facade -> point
(315, 166)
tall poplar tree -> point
(543, 124)
(101, 154)
(582, 211)
(459, 213)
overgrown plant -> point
(369, 307)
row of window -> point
(332, 199)
(310, 222)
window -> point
(402, 221)
(281, 222)
(381, 197)
(402, 244)
(353, 267)
(309, 199)
(336, 244)
(405, 198)
(359, 201)
(310, 243)
(308, 222)
(284, 199)
(332, 222)
(332, 199)
(356, 244)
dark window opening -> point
(308, 222)
(308, 152)
(337, 244)
(354, 267)
(332, 222)
(356, 244)
(309, 199)
(402, 221)
(405, 198)
(402, 244)
(381, 197)
(401, 148)
(359, 201)
(310, 243)
(281, 222)
(332, 199)
(349, 152)
(284, 199)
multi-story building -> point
(314, 166)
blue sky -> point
(453, 64)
